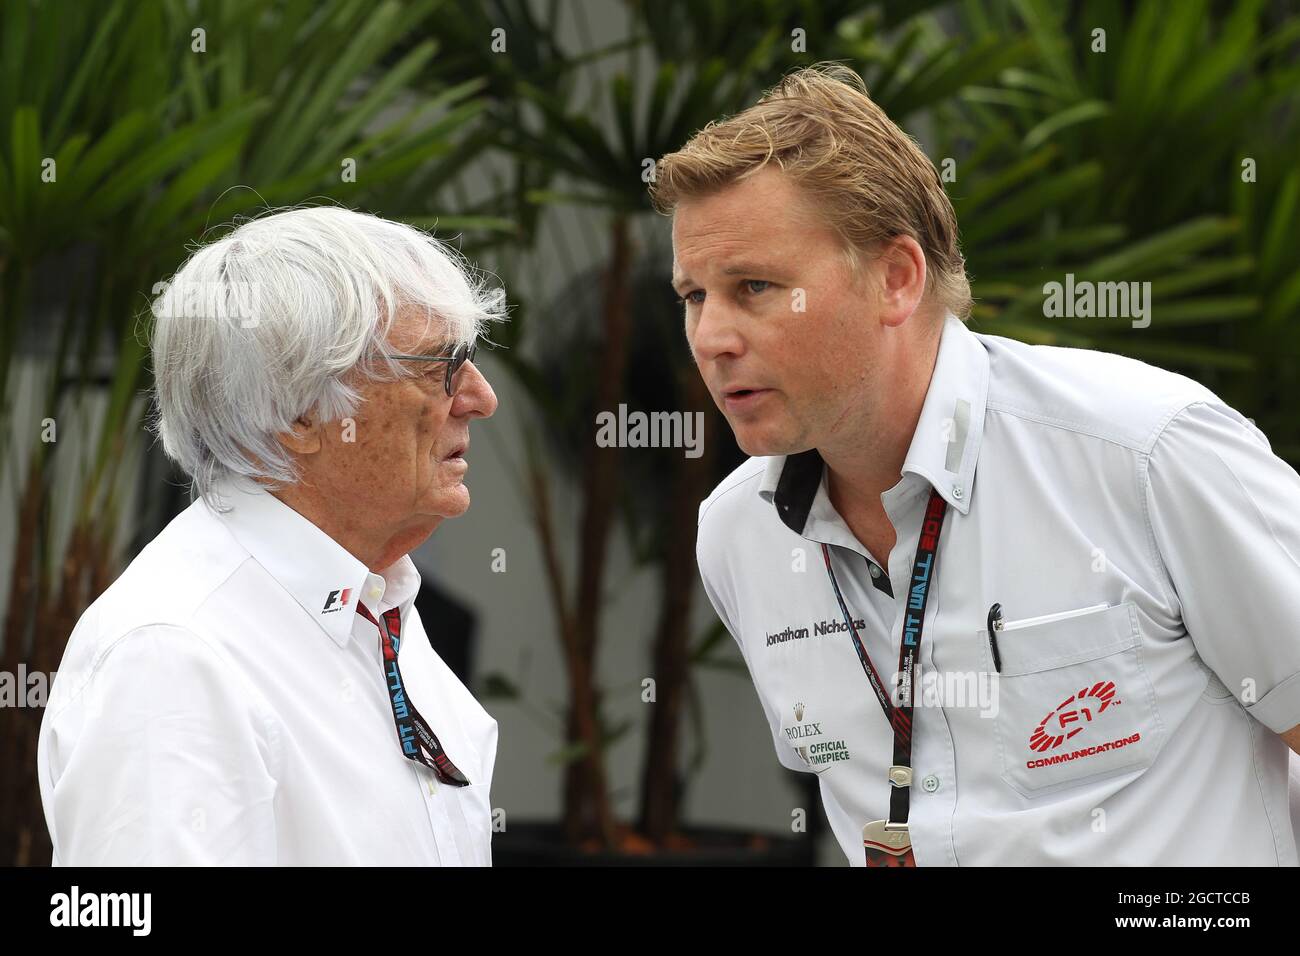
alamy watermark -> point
(1103, 300)
(954, 689)
(24, 688)
(208, 300)
(75, 909)
(626, 429)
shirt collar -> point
(945, 446)
(317, 572)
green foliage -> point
(1128, 164)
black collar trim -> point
(797, 488)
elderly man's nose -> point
(474, 396)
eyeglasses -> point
(463, 353)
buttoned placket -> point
(933, 797)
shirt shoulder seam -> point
(720, 493)
(1079, 428)
(103, 653)
(1145, 497)
(264, 715)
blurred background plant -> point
(1150, 141)
(1162, 147)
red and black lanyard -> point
(900, 717)
(419, 742)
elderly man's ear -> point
(304, 438)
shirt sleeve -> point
(160, 758)
(1225, 514)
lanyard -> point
(419, 743)
(900, 717)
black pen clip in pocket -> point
(995, 625)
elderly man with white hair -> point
(257, 687)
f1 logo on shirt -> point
(1077, 709)
(340, 596)
(1068, 719)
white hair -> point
(281, 318)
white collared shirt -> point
(224, 703)
(1075, 481)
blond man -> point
(1012, 604)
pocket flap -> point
(1073, 640)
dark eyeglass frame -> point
(460, 355)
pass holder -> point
(885, 843)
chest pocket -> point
(1075, 702)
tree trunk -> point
(661, 775)
(16, 730)
(587, 811)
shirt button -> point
(958, 492)
(875, 571)
(931, 783)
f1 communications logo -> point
(1069, 718)
(339, 597)
(1072, 715)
